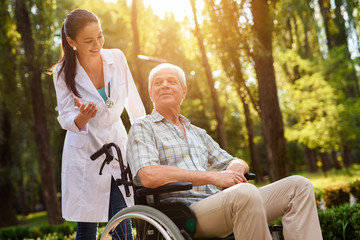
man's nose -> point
(165, 83)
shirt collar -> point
(157, 117)
(107, 57)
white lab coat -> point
(85, 193)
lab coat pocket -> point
(77, 140)
(75, 151)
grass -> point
(34, 219)
(332, 177)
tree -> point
(272, 124)
(40, 128)
(137, 74)
(227, 37)
(216, 105)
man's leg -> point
(238, 209)
(293, 199)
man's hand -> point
(227, 178)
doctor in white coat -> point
(93, 85)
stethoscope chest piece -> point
(109, 103)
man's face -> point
(166, 90)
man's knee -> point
(244, 195)
(301, 182)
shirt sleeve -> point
(65, 104)
(133, 105)
(141, 148)
(218, 158)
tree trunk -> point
(143, 88)
(310, 159)
(326, 15)
(335, 160)
(217, 108)
(271, 119)
(240, 83)
(347, 157)
(325, 160)
(255, 163)
(336, 35)
(7, 216)
(38, 106)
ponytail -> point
(75, 21)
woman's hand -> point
(87, 111)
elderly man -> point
(165, 147)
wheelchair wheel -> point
(147, 223)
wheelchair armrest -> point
(170, 187)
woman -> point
(93, 85)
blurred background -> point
(275, 83)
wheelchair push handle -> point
(99, 152)
(126, 177)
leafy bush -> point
(318, 197)
(336, 195)
(355, 189)
(27, 232)
(341, 222)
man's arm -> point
(143, 158)
(158, 175)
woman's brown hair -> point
(74, 22)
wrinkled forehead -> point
(166, 73)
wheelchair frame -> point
(157, 220)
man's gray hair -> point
(170, 67)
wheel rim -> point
(145, 232)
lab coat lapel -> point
(108, 63)
(84, 81)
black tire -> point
(148, 223)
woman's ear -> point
(70, 42)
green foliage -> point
(355, 189)
(336, 195)
(62, 231)
(341, 222)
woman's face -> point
(89, 40)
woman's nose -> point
(97, 43)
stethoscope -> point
(109, 103)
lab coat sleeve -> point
(65, 104)
(133, 105)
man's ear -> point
(184, 92)
(70, 41)
(150, 95)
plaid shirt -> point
(153, 140)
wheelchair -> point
(151, 219)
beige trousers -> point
(246, 211)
